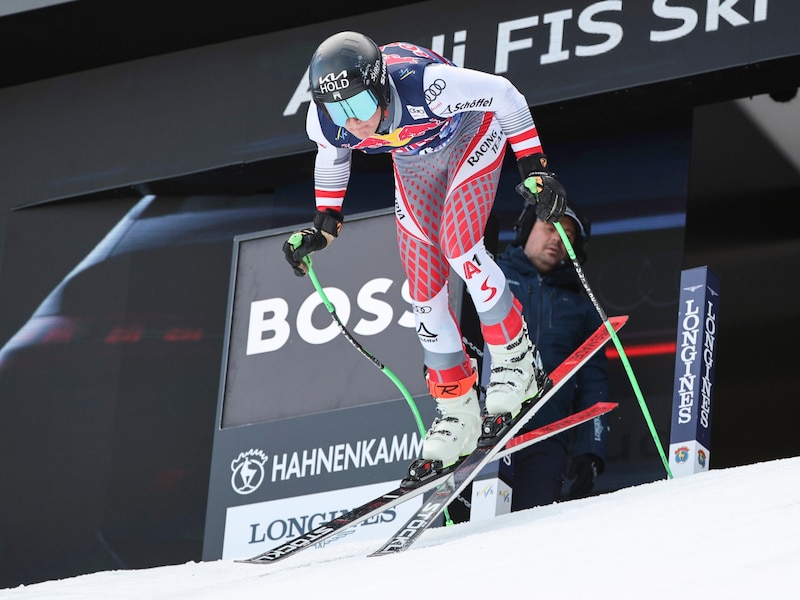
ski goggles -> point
(361, 106)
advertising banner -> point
(695, 361)
(308, 427)
(246, 100)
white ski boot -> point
(517, 375)
(454, 433)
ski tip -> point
(618, 321)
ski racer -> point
(446, 128)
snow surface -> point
(729, 533)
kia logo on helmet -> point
(333, 82)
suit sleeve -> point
(331, 165)
(470, 90)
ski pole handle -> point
(294, 241)
(618, 344)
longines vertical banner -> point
(695, 358)
(307, 426)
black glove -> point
(540, 188)
(534, 165)
(301, 244)
(583, 471)
(547, 195)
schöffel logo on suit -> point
(481, 103)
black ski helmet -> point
(346, 64)
(526, 219)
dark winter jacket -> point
(560, 317)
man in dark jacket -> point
(560, 317)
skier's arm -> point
(331, 175)
(460, 90)
(331, 166)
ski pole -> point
(623, 357)
(295, 240)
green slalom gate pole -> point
(622, 355)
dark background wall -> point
(743, 184)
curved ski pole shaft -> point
(294, 240)
(618, 345)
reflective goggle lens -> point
(361, 106)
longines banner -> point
(695, 364)
(246, 100)
(308, 427)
